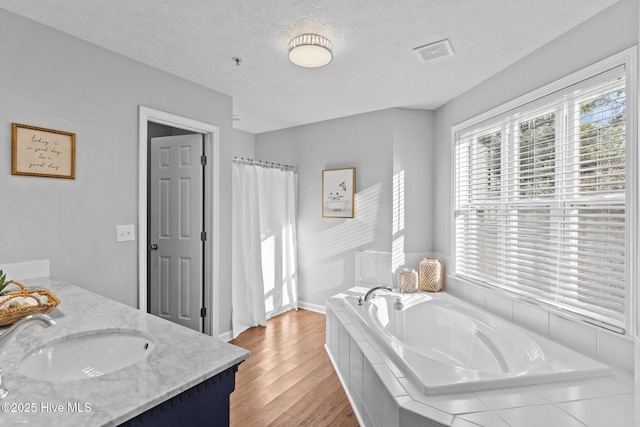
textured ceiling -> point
(374, 66)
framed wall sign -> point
(42, 152)
(338, 193)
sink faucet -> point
(43, 319)
(370, 292)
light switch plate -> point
(125, 233)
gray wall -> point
(244, 144)
(49, 79)
(413, 155)
(379, 145)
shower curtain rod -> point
(244, 161)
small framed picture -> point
(42, 152)
(338, 193)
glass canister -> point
(431, 276)
(408, 280)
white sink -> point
(86, 356)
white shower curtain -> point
(264, 276)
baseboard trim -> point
(313, 307)
(228, 336)
(225, 336)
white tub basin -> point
(86, 356)
(448, 346)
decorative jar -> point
(431, 276)
(408, 280)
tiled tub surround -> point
(382, 393)
(181, 359)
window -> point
(541, 198)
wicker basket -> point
(9, 316)
(431, 276)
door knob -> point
(154, 247)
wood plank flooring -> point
(288, 380)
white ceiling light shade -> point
(310, 50)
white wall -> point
(52, 80)
(379, 145)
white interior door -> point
(176, 229)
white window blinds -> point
(540, 200)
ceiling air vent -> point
(434, 50)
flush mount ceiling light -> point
(310, 50)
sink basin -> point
(86, 356)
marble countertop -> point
(181, 359)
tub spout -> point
(370, 293)
(43, 319)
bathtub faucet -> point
(370, 292)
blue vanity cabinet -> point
(206, 404)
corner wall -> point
(244, 144)
(381, 145)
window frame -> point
(627, 58)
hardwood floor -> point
(288, 380)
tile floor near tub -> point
(596, 402)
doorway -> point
(176, 232)
(191, 306)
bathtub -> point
(445, 345)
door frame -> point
(211, 203)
